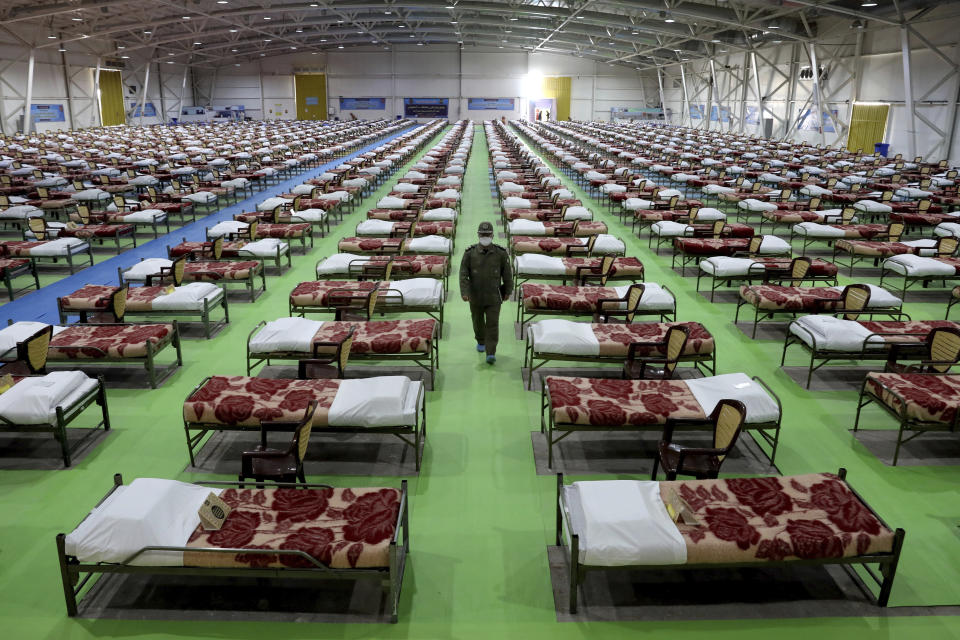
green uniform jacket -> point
(485, 274)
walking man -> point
(485, 281)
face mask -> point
(485, 241)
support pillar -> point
(27, 117)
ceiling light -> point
(148, 32)
(52, 37)
(773, 26)
(222, 2)
(197, 43)
(580, 17)
(83, 35)
(778, 42)
(450, 6)
(323, 39)
(514, 19)
(169, 61)
(231, 51)
(453, 22)
(267, 40)
(419, 44)
(120, 46)
(294, 48)
(314, 4)
(299, 31)
(77, 19)
(412, 36)
(61, 49)
(340, 46)
(313, 53)
(500, 47)
(233, 30)
(263, 55)
(633, 33)
(669, 20)
(715, 41)
(868, 3)
(339, 21)
(386, 13)
(267, 18)
(186, 17)
(401, 26)
(125, 57)
(236, 64)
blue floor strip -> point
(42, 305)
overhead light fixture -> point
(148, 32)
(294, 48)
(231, 51)
(233, 30)
(52, 37)
(339, 46)
(299, 31)
(514, 19)
(62, 50)
(267, 18)
(169, 61)
(125, 57)
(77, 19)
(186, 17)
(339, 21)
(263, 55)
(453, 22)
(222, 2)
(856, 24)
(868, 4)
(386, 13)
(412, 35)
(197, 43)
(314, 4)
(715, 41)
(419, 44)
(120, 46)
(267, 40)
(580, 17)
(401, 26)
(236, 64)
(323, 39)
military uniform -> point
(486, 278)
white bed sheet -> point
(416, 292)
(147, 512)
(381, 401)
(833, 333)
(34, 400)
(654, 298)
(189, 297)
(429, 244)
(285, 334)
(565, 337)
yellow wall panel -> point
(558, 88)
(111, 99)
(311, 92)
(868, 126)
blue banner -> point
(149, 111)
(696, 111)
(358, 104)
(426, 107)
(46, 113)
(490, 104)
(753, 115)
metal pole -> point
(66, 86)
(686, 99)
(183, 90)
(908, 92)
(143, 93)
(263, 102)
(163, 104)
(745, 85)
(857, 73)
(96, 92)
(756, 82)
(816, 92)
(663, 102)
(791, 94)
(712, 86)
(27, 116)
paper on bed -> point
(372, 402)
(149, 512)
(918, 266)
(538, 264)
(736, 386)
(879, 297)
(833, 333)
(187, 297)
(285, 334)
(654, 297)
(627, 523)
(415, 291)
(34, 400)
(564, 336)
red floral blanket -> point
(547, 246)
(808, 517)
(776, 298)
(916, 330)
(98, 231)
(442, 228)
(874, 248)
(317, 293)
(379, 245)
(107, 341)
(710, 246)
(283, 230)
(622, 267)
(620, 403)
(92, 297)
(341, 528)
(615, 339)
(565, 298)
(203, 271)
(818, 267)
(924, 397)
(7, 264)
(245, 402)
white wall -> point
(935, 88)
(430, 72)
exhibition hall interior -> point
(424, 319)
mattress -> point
(722, 266)
(770, 245)
(624, 403)
(383, 401)
(586, 299)
(533, 264)
(806, 517)
(34, 400)
(919, 267)
(298, 335)
(810, 299)
(836, 334)
(565, 337)
(917, 396)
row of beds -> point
(64, 193)
(369, 533)
(572, 404)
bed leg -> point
(889, 569)
(149, 366)
(61, 436)
(559, 512)
(68, 593)
(574, 571)
(896, 452)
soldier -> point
(485, 280)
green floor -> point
(480, 517)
